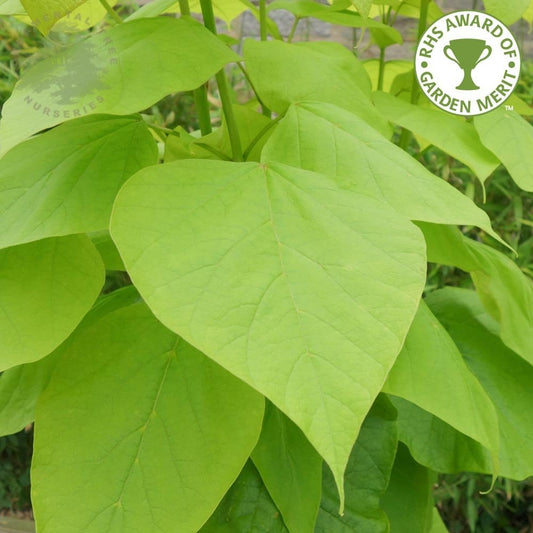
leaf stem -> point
(113, 14)
(260, 135)
(263, 28)
(422, 23)
(223, 88)
(293, 29)
(184, 7)
(381, 75)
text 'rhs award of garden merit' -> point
(468, 63)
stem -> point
(184, 7)
(223, 89)
(111, 12)
(260, 135)
(474, 5)
(263, 29)
(202, 108)
(293, 29)
(381, 75)
(200, 95)
(415, 93)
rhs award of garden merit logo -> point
(467, 63)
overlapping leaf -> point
(274, 65)
(165, 431)
(291, 470)
(287, 280)
(452, 134)
(65, 181)
(46, 287)
(510, 137)
(367, 477)
(120, 71)
(324, 138)
(431, 373)
(45, 13)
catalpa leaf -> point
(449, 133)
(107, 73)
(508, 12)
(46, 287)
(21, 386)
(367, 477)
(291, 470)
(505, 291)
(324, 138)
(246, 507)
(288, 281)
(65, 181)
(430, 372)
(165, 431)
(45, 13)
(437, 445)
(510, 137)
(506, 377)
(409, 500)
(274, 65)
(87, 15)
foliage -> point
(221, 323)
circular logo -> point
(467, 63)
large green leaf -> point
(45, 13)
(165, 431)
(508, 12)
(246, 508)
(438, 445)
(287, 280)
(431, 373)
(504, 290)
(450, 133)
(65, 181)
(46, 287)
(506, 377)
(291, 470)
(87, 15)
(107, 73)
(510, 137)
(273, 67)
(21, 386)
(310, 8)
(324, 138)
(408, 500)
(367, 477)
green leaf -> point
(449, 133)
(437, 445)
(65, 181)
(528, 14)
(437, 525)
(363, 6)
(392, 69)
(510, 137)
(324, 138)
(246, 507)
(505, 291)
(431, 373)
(274, 65)
(291, 470)
(45, 13)
(285, 279)
(165, 431)
(90, 13)
(506, 377)
(367, 477)
(408, 500)
(310, 8)
(508, 12)
(107, 73)
(11, 7)
(46, 287)
(21, 386)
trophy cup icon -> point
(467, 53)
